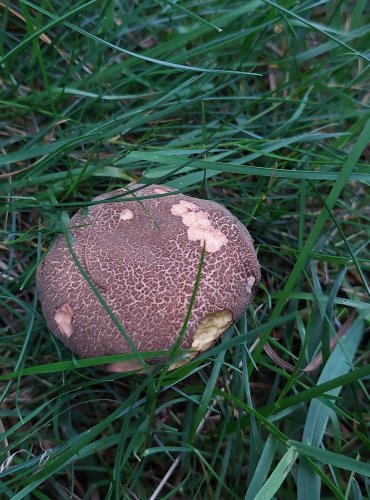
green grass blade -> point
(262, 469)
(332, 198)
(338, 364)
(277, 477)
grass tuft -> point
(262, 106)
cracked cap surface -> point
(143, 257)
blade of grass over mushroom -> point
(174, 351)
(69, 241)
(76, 364)
(156, 386)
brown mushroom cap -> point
(143, 257)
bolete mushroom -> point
(143, 256)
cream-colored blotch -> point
(250, 282)
(209, 330)
(199, 226)
(124, 366)
(63, 318)
(126, 214)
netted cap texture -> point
(143, 256)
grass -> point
(262, 106)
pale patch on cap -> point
(126, 214)
(161, 191)
(63, 318)
(189, 205)
(250, 282)
(209, 330)
(199, 226)
(182, 208)
(124, 366)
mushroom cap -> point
(143, 256)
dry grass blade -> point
(317, 361)
(46, 39)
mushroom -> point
(143, 256)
